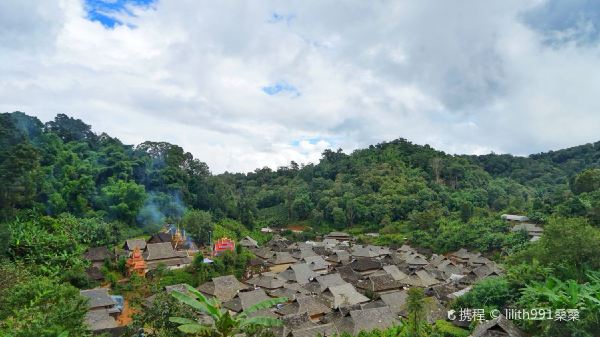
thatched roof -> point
(379, 318)
(379, 283)
(396, 273)
(98, 254)
(500, 324)
(344, 295)
(282, 258)
(266, 281)
(98, 298)
(250, 298)
(160, 251)
(316, 262)
(131, 244)
(310, 304)
(395, 300)
(363, 264)
(223, 288)
(317, 330)
(248, 242)
(300, 273)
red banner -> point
(222, 245)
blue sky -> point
(107, 11)
(281, 87)
(244, 85)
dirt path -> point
(126, 315)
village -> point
(333, 285)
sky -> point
(243, 85)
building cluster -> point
(335, 286)
(332, 286)
(170, 248)
(523, 223)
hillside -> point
(62, 166)
(66, 191)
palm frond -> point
(195, 328)
(182, 320)
(192, 302)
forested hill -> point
(393, 187)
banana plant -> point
(224, 323)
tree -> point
(70, 129)
(123, 199)
(198, 224)
(49, 245)
(587, 181)
(489, 293)
(302, 205)
(40, 306)
(569, 246)
(416, 312)
(154, 319)
(466, 211)
(437, 164)
(224, 323)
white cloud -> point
(467, 77)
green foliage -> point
(123, 199)
(587, 181)
(489, 294)
(227, 263)
(154, 319)
(555, 294)
(47, 244)
(198, 224)
(409, 193)
(569, 246)
(447, 329)
(40, 306)
(224, 323)
(416, 324)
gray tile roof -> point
(223, 288)
(291, 294)
(344, 295)
(395, 300)
(248, 242)
(160, 251)
(303, 252)
(300, 273)
(98, 254)
(379, 283)
(250, 298)
(316, 262)
(317, 330)
(500, 323)
(340, 256)
(99, 319)
(363, 264)
(282, 258)
(310, 304)
(264, 253)
(426, 279)
(266, 281)
(330, 280)
(396, 273)
(98, 297)
(369, 319)
(130, 244)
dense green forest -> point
(64, 188)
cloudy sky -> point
(246, 84)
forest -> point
(64, 188)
